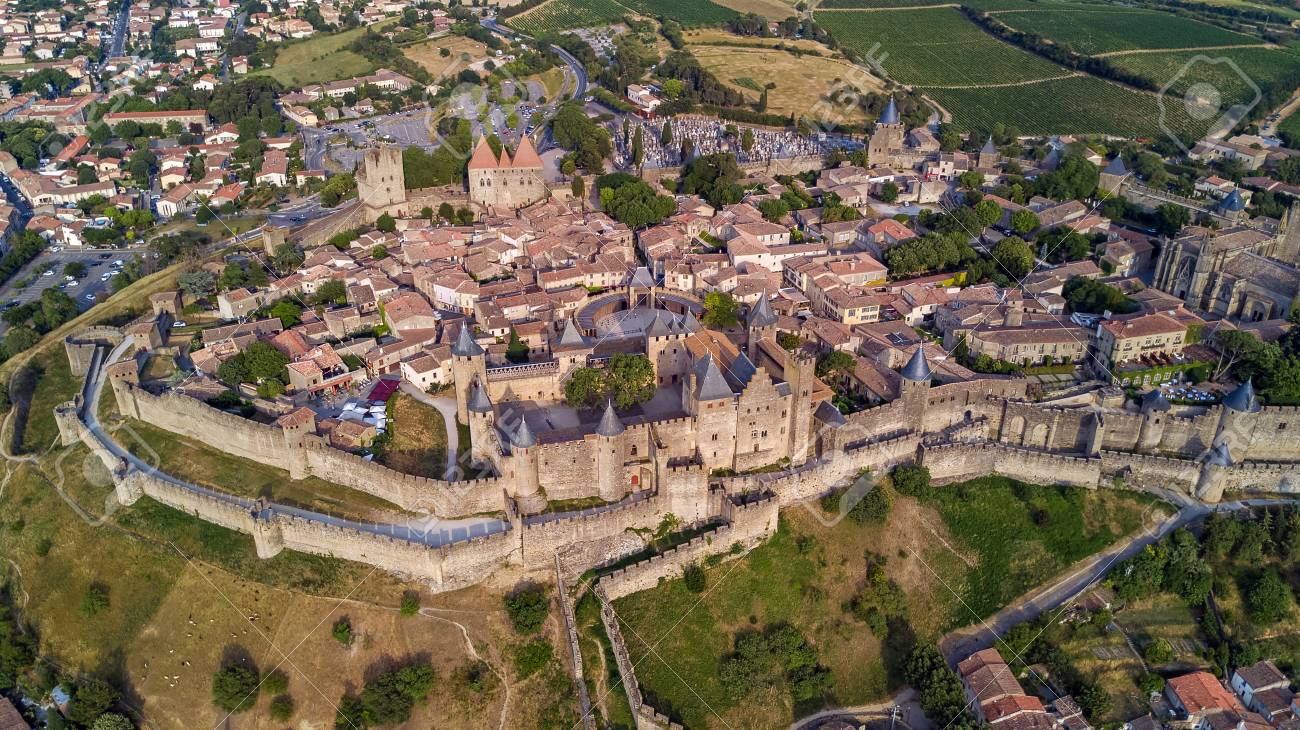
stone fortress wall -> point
(958, 430)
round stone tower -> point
(609, 455)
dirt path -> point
(469, 644)
(1010, 84)
(1139, 51)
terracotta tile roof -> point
(1200, 691)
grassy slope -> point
(937, 551)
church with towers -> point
(506, 181)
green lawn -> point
(321, 58)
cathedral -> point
(1240, 272)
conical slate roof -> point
(743, 369)
(988, 147)
(1155, 401)
(1233, 203)
(643, 278)
(523, 437)
(1243, 398)
(1116, 166)
(690, 323)
(829, 415)
(762, 314)
(917, 369)
(465, 345)
(478, 399)
(610, 425)
(709, 383)
(572, 336)
(1220, 456)
(890, 115)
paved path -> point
(447, 407)
(963, 642)
(910, 712)
(433, 531)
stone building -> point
(886, 141)
(506, 182)
(381, 182)
(1240, 272)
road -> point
(121, 24)
(240, 19)
(433, 532)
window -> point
(633, 451)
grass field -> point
(321, 58)
(558, 15)
(1095, 31)
(770, 9)
(801, 82)
(717, 36)
(691, 15)
(970, 537)
(462, 50)
(419, 439)
(951, 52)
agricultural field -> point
(320, 59)
(987, 532)
(1262, 67)
(951, 52)
(770, 9)
(1102, 31)
(1076, 105)
(801, 82)
(461, 53)
(558, 15)
(694, 14)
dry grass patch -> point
(418, 443)
(801, 82)
(770, 9)
(461, 53)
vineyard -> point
(693, 14)
(1231, 73)
(1091, 32)
(558, 15)
(987, 5)
(1079, 105)
(935, 47)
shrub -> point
(912, 480)
(275, 683)
(1159, 651)
(282, 708)
(94, 600)
(693, 576)
(410, 603)
(527, 608)
(342, 632)
(531, 657)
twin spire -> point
(525, 158)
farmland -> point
(558, 15)
(1099, 31)
(320, 59)
(951, 52)
(1075, 105)
(691, 15)
(1262, 67)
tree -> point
(287, 257)
(835, 363)
(410, 603)
(282, 708)
(331, 292)
(1024, 220)
(388, 700)
(747, 140)
(289, 313)
(446, 212)
(638, 148)
(94, 600)
(1268, 600)
(197, 283)
(694, 578)
(1234, 346)
(579, 189)
(912, 480)
(874, 506)
(774, 209)
(1014, 256)
(386, 223)
(585, 388)
(889, 192)
(380, 251)
(527, 608)
(517, 350)
(666, 133)
(234, 689)
(988, 212)
(275, 683)
(90, 700)
(721, 310)
(20, 338)
(1170, 218)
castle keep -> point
(506, 182)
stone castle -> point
(738, 428)
(506, 182)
